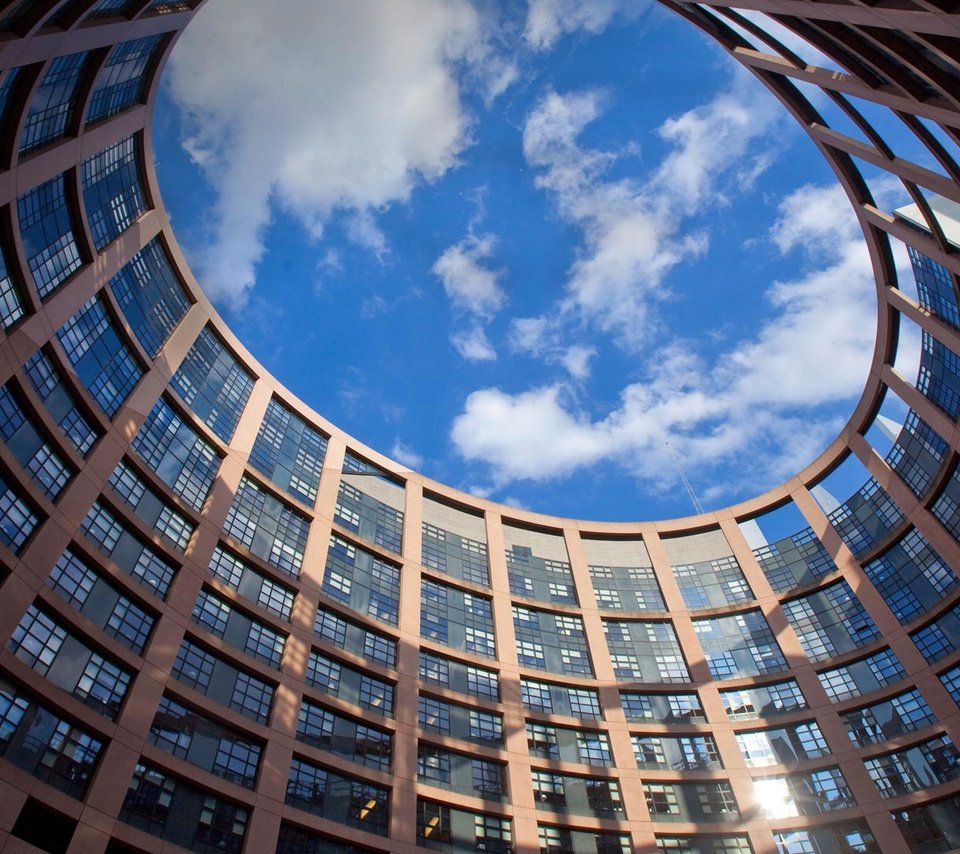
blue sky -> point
(520, 247)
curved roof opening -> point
(533, 255)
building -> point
(209, 595)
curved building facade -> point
(225, 625)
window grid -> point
(540, 578)
(878, 722)
(60, 402)
(830, 621)
(911, 576)
(455, 555)
(102, 361)
(11, 303)
(112, 194)
(46, 229)
(107, 533)
(712, 583)
(289, 452)
(73, 580)
(371, 519)
(866, 518)
(213, 384)
(552, 642)
(362, 581)
(150, 296)
(17, 521)
(645, 651)
(763, 701)
(122, 80)
(155, 512)
(179, 456)
(54, 102)
(28, 446)
(271, 530)
(739, 645)
(662, 708)
(626, 588)
(794, 561)
(860, 677)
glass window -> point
(709, 801)
(866, 518)
(27, 444)
(53, 750)
(214, 384)
(203, 822)
(713, 583)
(940, 637)
(455, 555)
(344, 737)
(911, 576)
(11, 303)
(38, 641)
(920, 766)
(662, 708)
(887, 719)
(367, 516)
(180, 457)
(112, 192)
(235, 758)
(763, 701)
(362, 581)
(271, 530)
(830, 621)
(150, 296)
(434, 715)
(689, 752)
(366, 806)
(17, 521)
(626, 588)
(150, 507)
(252, 697)
(122, 80)
(289, 452)
(783, 745)
(354, 638)
(46, 229)
(739, 645)
(645, 651)
(138, 560)
(794, 561)
(539, 578)
(102, 361)
(57, 396)
(860, 677)
(54, 103)
(553, 642)
(930, 827)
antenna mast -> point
(683, 478)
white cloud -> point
(636, 230)
(319, 108)
(576, 359)
(473, 344)
(713, 142)
(405, 455)
(473, 289)
(545, 338)
(548, 20)
(470, 285)
(763, 402)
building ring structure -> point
(227, 625)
